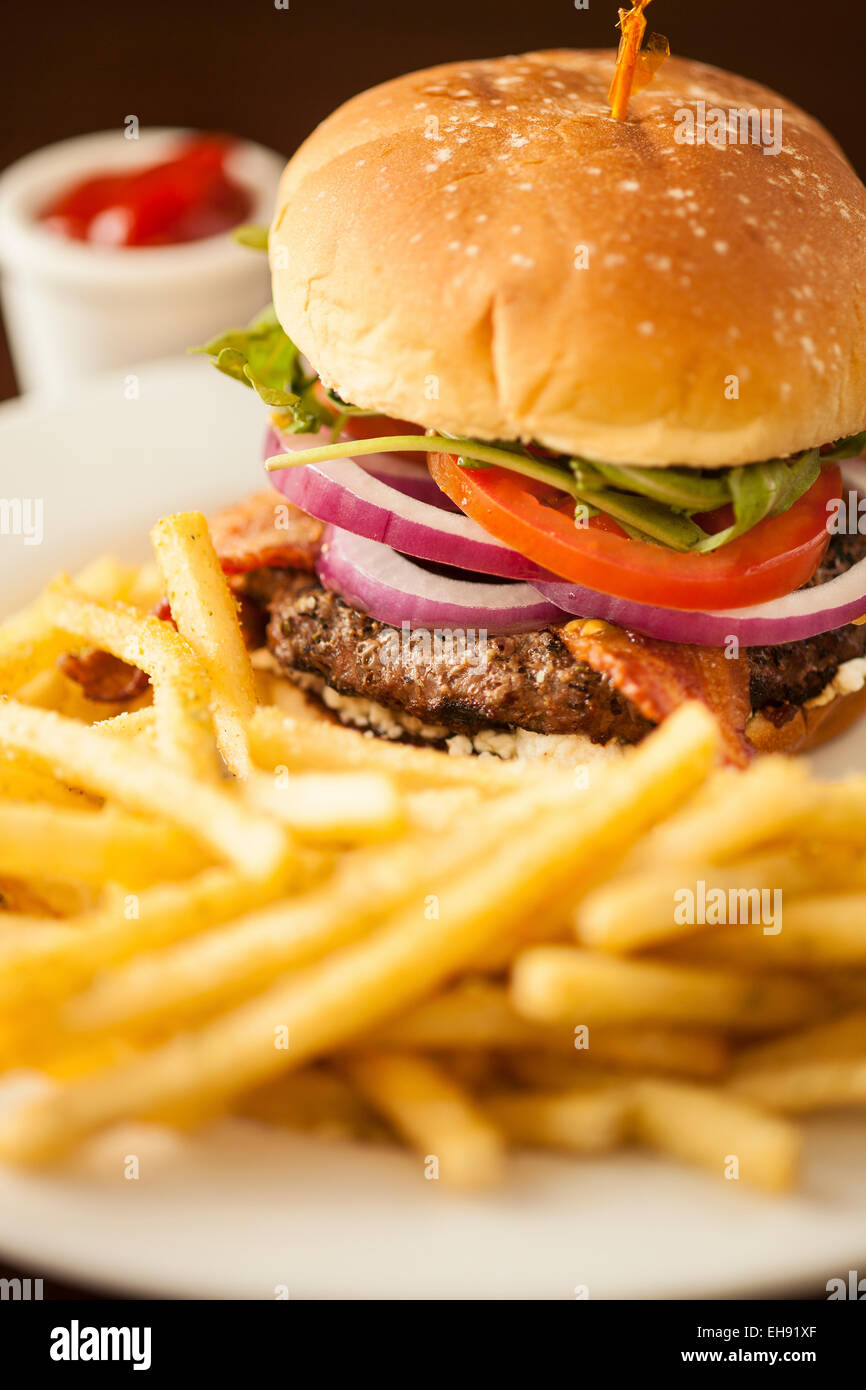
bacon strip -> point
(265, 530)
(658, 676)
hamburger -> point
(562, 412)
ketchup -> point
(184, 198)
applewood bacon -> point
(265, 530)
(657, 677)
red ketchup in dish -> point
(184, 198)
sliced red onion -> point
(394, 590)
(355, 499)
(804, 613)
(406, 473)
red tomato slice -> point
(774, 558)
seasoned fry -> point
(29, 641)
(559, 983)
(585, 1121)
(109, 768)
(278, 739)
(180, 689)
(433, 1114)
(206, 616)
(353, 807)
(721, 1133)
(801, 1086)
(92, 846)
(407, 957)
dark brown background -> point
(272, 74)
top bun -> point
(482, 249)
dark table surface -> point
(271, 74)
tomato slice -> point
(773, 559)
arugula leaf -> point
(252, 234)
(760, 490)
(847, 448)
(684, 489)
(264, 358)
(647, 519)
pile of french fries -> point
(216, 904)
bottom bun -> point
(808, 727)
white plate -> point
(239, 1211)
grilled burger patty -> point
(528, 679)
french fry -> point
(29, 641)
(189, 979)
(433, 1114)
(586, 1121)
(92, 846)
(561, 983)
(317, 1100)
(36, 968)
(478, 1014)
(639, 912)
(206, 616)
(801, 1086)
(733, 814)
(181, 691)
(279, 740)
(719, 1132)
(109, 768)
(352, 807)
(818, 932)
(842, 1037)
(358, 987)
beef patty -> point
(527, 679)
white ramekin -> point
(72, 309)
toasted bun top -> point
(482, 249)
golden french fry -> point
(316, 1099)
(29, 641)
(719, 1132)
(92, 846)
(184, 979)
(279, 740)
(206, 615)
(561, 983)
(36, 968)
(646, 910)
(107, 767)
(360, 986)
(587, 1121)
(433, 1114)
(181, 692)
(842, 1037)
(818, 932)
(734, 813)
(354, 807)
(804, 1085)
(478, 1014)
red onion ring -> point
(355, 499)
(395, 591)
